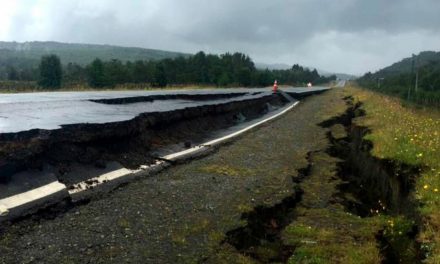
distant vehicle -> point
(309, 84)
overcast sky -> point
(351, 36)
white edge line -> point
(110, 176)
(93, 182)
(183, 152)
(54, 187)
(219, 140)
(29, 196)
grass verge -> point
(408, 135)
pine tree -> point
(50, 72)
(96, 75)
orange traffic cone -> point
(275, 86)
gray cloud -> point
(351, 36)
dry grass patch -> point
(226, 170)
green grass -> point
(326, 235)
(408, 135)
(226, 170)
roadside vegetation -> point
(226, 70)
(408, 135)
(415, 79)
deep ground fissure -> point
(379, 186)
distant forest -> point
(224, 70)
(415, 79)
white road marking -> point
(219, 140)
(17, 200)
(93, 182)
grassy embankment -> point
(411, 136)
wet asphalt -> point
(51, 110)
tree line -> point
(224, 70)
(420, 86)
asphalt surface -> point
(181, 215)
(341, 83)
(51, 110)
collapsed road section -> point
(56, 153)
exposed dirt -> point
(261, 237)
(372, 186)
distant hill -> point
(405, 65)
(79, 53)
(274, 66)
(340, 76)
(344, 76)
(282, 66)
(421, 85)
(25, 57)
